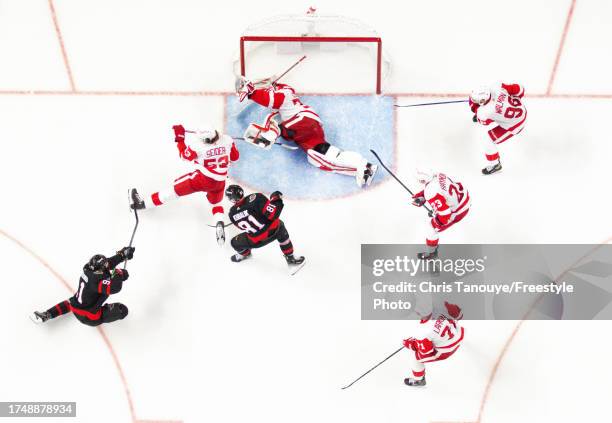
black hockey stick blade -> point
(381, 362)
(395, 177)
(430, 104)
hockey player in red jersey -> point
(99, 280)
(450, 203)
(213, 153)
(295, 121)
(499, 108)
(438, 337)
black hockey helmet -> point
(234, 193)
(98, 262)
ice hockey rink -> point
(89, 91)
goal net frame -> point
(306, 39)
(321, 29)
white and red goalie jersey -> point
(213, 158)
(281, 99)
(504, 108)
(449, 199)
(438, 336)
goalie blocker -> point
(300, 124)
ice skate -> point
(295, 263)
(39, 317)
(220, 233)
(428, 255)
(492, 169)
(237, 258)
(369, 173)
(137, 202)
(415, 382)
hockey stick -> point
(262, 81)
(391, 355)
(133, 232)
(431, 104)
(397, 179)
(288, 70)
(225, 225)
(287, 146)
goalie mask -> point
(244, 88)
(234, 193)
(481, 95)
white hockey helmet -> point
(481, 95)
(424, 175)
(244, 87)
(207, 134)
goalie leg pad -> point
(338, 161)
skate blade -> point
(494, 173)
(294, 270)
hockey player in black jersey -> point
(99, 280)
(258, 217)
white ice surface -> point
(208, 340)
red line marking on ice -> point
(576, 96)
(60, 39)
(568, 20)
(105, 338)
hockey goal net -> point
(343, 54)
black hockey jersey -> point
(256, 215)
(95, 287)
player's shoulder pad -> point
(252, 197)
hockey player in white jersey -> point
(438, 336)
(212, 153)
(500, 109)
(450, 203)
(298, 122)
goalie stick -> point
(359, 378)
(262, 81)
(429, 211)
(287, 146)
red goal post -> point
(301, 34)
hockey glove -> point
(276, 195)
(418, 201)
(127, 253)
(475, 119)
(410, 343)
(179, 133)
(122, 273)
